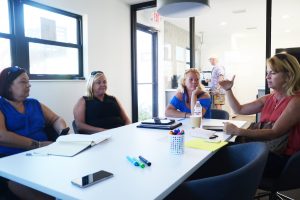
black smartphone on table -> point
(65, 131)
(91, 179)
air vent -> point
(251, 28)
(239, 11)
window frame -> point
(20, 43)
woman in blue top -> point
(190, 91)
(22, 123)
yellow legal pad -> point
(204, 145)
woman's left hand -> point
(230, 128)
(197, 91)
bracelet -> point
(228, 89)
(185, 115)
(34, 144)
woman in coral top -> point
(281, 108)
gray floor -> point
(295, 194)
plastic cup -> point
(195, 121)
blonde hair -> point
(90, 83)
(182, 86)
(284, 62)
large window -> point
(44, 40)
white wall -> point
(106, 47)
(242, 55)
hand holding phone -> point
(91, 179)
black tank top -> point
(103, 114)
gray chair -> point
(232, 173)
(289, 179)
(219, 114)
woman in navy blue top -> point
(98, 111)
(22, 122)
(190, 91)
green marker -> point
(142, 165)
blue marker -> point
(140, 164)
(145, 161)
(132, 161)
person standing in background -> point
(217, 74)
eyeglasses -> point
(13, 69)
(96, 72)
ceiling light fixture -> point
(181, 8)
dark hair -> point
(7, 76)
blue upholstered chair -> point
(289, 179)
(219, 114)
(232, 173)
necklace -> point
(278, 102)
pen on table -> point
(213, 137)
(142, 165)
(132, 161)
(145, 161)
(36, 154)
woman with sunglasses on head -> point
(98, 111)
(22, 122)
(189, 92)
(280, 108)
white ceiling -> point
(249, 19)
(131, 2)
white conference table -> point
(53, 174)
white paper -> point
(201, 133)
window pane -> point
(144, 57)
(4, 17)
(145, 101)
(285, 28)
(49, 59)
(47, 25)
(5, 56)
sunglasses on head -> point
(283, 57)
(13, 69)
(96, 72)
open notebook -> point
(72, 144)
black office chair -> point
(289, 179)
(219, 114)
(232, 173)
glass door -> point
(146, 72)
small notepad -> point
(201, 133)
(204, 145)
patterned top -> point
(217, 71)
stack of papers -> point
(72, 144)
(217, 125)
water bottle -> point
(198, 109)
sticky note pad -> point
(204, 145)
